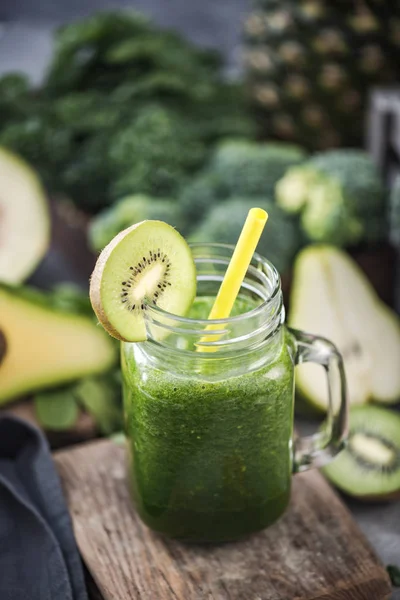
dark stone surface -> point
(26, 44)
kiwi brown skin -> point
(353, 461)
(95, 281)
(377, 497)
(3, 346)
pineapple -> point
(311, 63)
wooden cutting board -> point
(316, 551)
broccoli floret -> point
(341, 195)
(224, 222)
(128, 211)
(248, 168)
(358, 177)
(202, 193)
(326, 216)
(223, 113)
(292, 190)
(394, 215)
(154, 154)
(238, 168)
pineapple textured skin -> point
(310, 65)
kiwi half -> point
(149, 263)
(369, 466)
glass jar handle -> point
(318, 449)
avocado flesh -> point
(24, 219)
(332, 298)
(46, 347)
(3, 346)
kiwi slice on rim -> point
(369, 467)
(149, 263)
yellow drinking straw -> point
(236, 271)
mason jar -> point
(209, 410)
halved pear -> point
(24, 219)
(331, 297)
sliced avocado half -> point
(45, 346)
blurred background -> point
(114, 112)
(215, 25)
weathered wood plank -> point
(316, 551)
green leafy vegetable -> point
(252, 169)
(14, 98)
(125, 108)
(56, 409)
(394, 574)
(100, 397)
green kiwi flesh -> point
(149, 263)
(369, 466)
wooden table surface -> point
(316, 551)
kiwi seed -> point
(133, 272)
(392, 463)
(139, 269)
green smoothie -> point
(210, 459)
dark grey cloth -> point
(39, 559)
